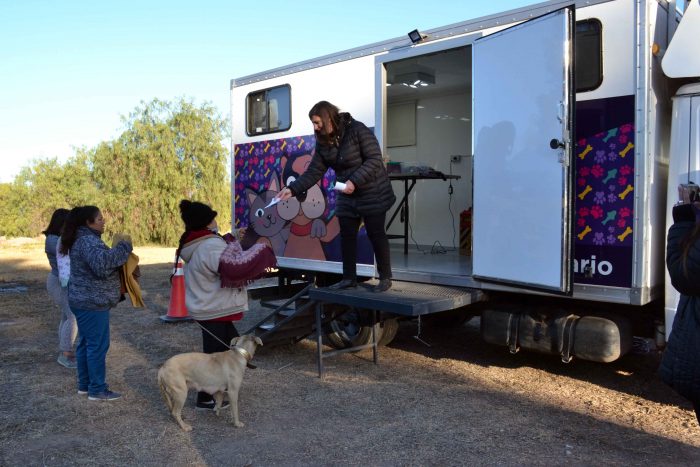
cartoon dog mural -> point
(308, 230)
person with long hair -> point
(214, 307)
(93, 290)
(680, 365)
(352, 151)
(67, 327)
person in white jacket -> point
(215, 308)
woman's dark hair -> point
(56, 223)
(329, 115)
(76, 218)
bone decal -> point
(588, 149)
(624, 234)
(611, 174)
(609, 217)
(624, 152)
(611, 133)
(301, 143)
(583, 194)
(585, 232)
(627, 191)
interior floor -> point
(447, 268)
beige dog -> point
(211, 373)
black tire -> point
(389, 329)
(347, 332)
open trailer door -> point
(523, 107)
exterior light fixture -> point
(416, 36)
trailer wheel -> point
(389, 329)
(347, 331)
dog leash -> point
(240, 351)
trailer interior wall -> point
(439, 118)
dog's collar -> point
(242, 352)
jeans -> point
(91, 352)
(376, 232)
(224, 332)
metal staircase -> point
(291, 319)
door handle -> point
(556, 144)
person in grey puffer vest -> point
(94, 288)
(680, 365)
(67, 328)
(352, 151)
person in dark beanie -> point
(215, 308)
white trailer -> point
(551, 126)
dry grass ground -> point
(457, 402)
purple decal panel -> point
(298, 228)
(604, 192)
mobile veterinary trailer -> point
(550, 124)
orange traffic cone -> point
(177, 311)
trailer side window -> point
(269, 110)
(589, 55)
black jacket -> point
(680, 366)
(356, 158)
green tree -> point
(42, 187)
(12, 205)
(168, 151)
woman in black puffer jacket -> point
(680, 366)
(351, 149)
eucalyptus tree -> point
(166, 152)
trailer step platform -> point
(404, 298)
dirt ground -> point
(457, 402)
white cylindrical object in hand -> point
(339, 186)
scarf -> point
(238, 267)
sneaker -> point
(82, 392)
(210, 404)
(106, 395)
(66, 361)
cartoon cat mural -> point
(267, 223)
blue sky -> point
(70, 69)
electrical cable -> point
(450, 191)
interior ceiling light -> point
(415, 79)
